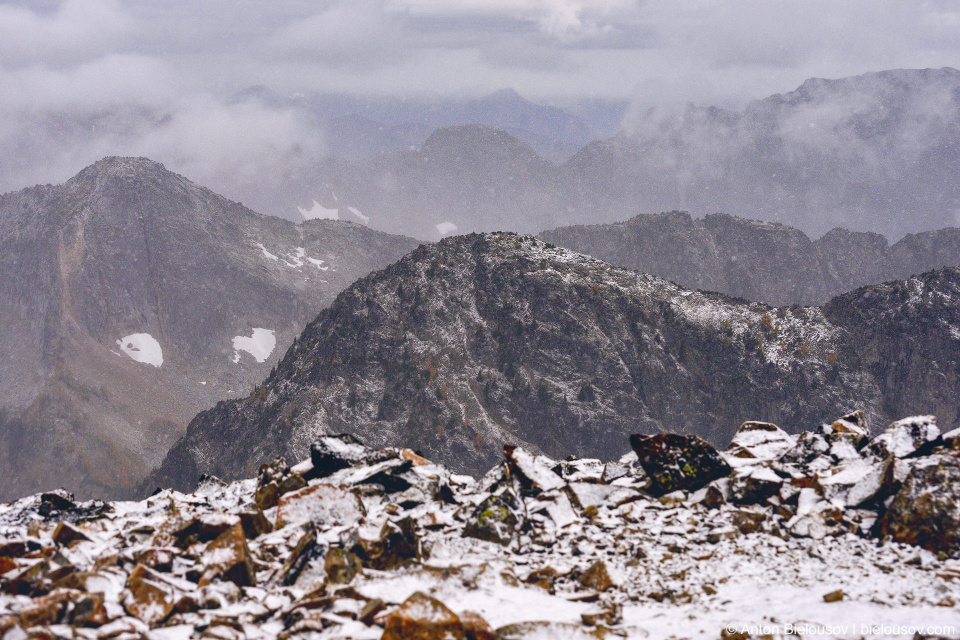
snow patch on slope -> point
(267, 253)
(142, 347)
(260, 345)
(446, 228)
(319, 212)
(364, 219)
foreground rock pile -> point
(674, 539)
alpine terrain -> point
(760, 261)
(876, 152)
(497, 339)
(131, 298)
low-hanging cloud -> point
(86, 78)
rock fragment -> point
(422, 617)
(926, 510)
(676, 462)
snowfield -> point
(142, 347)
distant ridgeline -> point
(761, 261)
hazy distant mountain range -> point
(760, 261)
(877, 152)
(131, 298)
(485, 340)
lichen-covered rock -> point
(676, 462)
(421, 617)
(926, 511)
(495, 519)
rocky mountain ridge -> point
(760, 261)
(491, 339)
(875, 153)
(131, 298)
(829, 533)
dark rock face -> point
(678, 463)
(493, 339)
(926, 511)
(761, 261)
(129, 299)
(899, 325)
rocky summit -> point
(486, 340)
(131, 298)
(828, 533)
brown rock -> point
(228, 558)
(46, 610)
(370, 610)
(421, 617)
(926, 510)
(341, 566)
(147, 598)
(833, 596)
(254, 523)
(475, 627)
(596, 577)
(66, 534)
(7, 564)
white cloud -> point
(76, 30)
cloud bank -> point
(88, 78)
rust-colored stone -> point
(421, 617)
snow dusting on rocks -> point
(825, 534)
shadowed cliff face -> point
(488, 339)
(761, 261)
(123, 291)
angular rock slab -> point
(675, 462)
(330, 454)
(761, 440)
(926, 511)
(324, 503)
(534, 472)
(904, 437)
(421, 617)
(495, 519)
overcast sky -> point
(80, 79)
